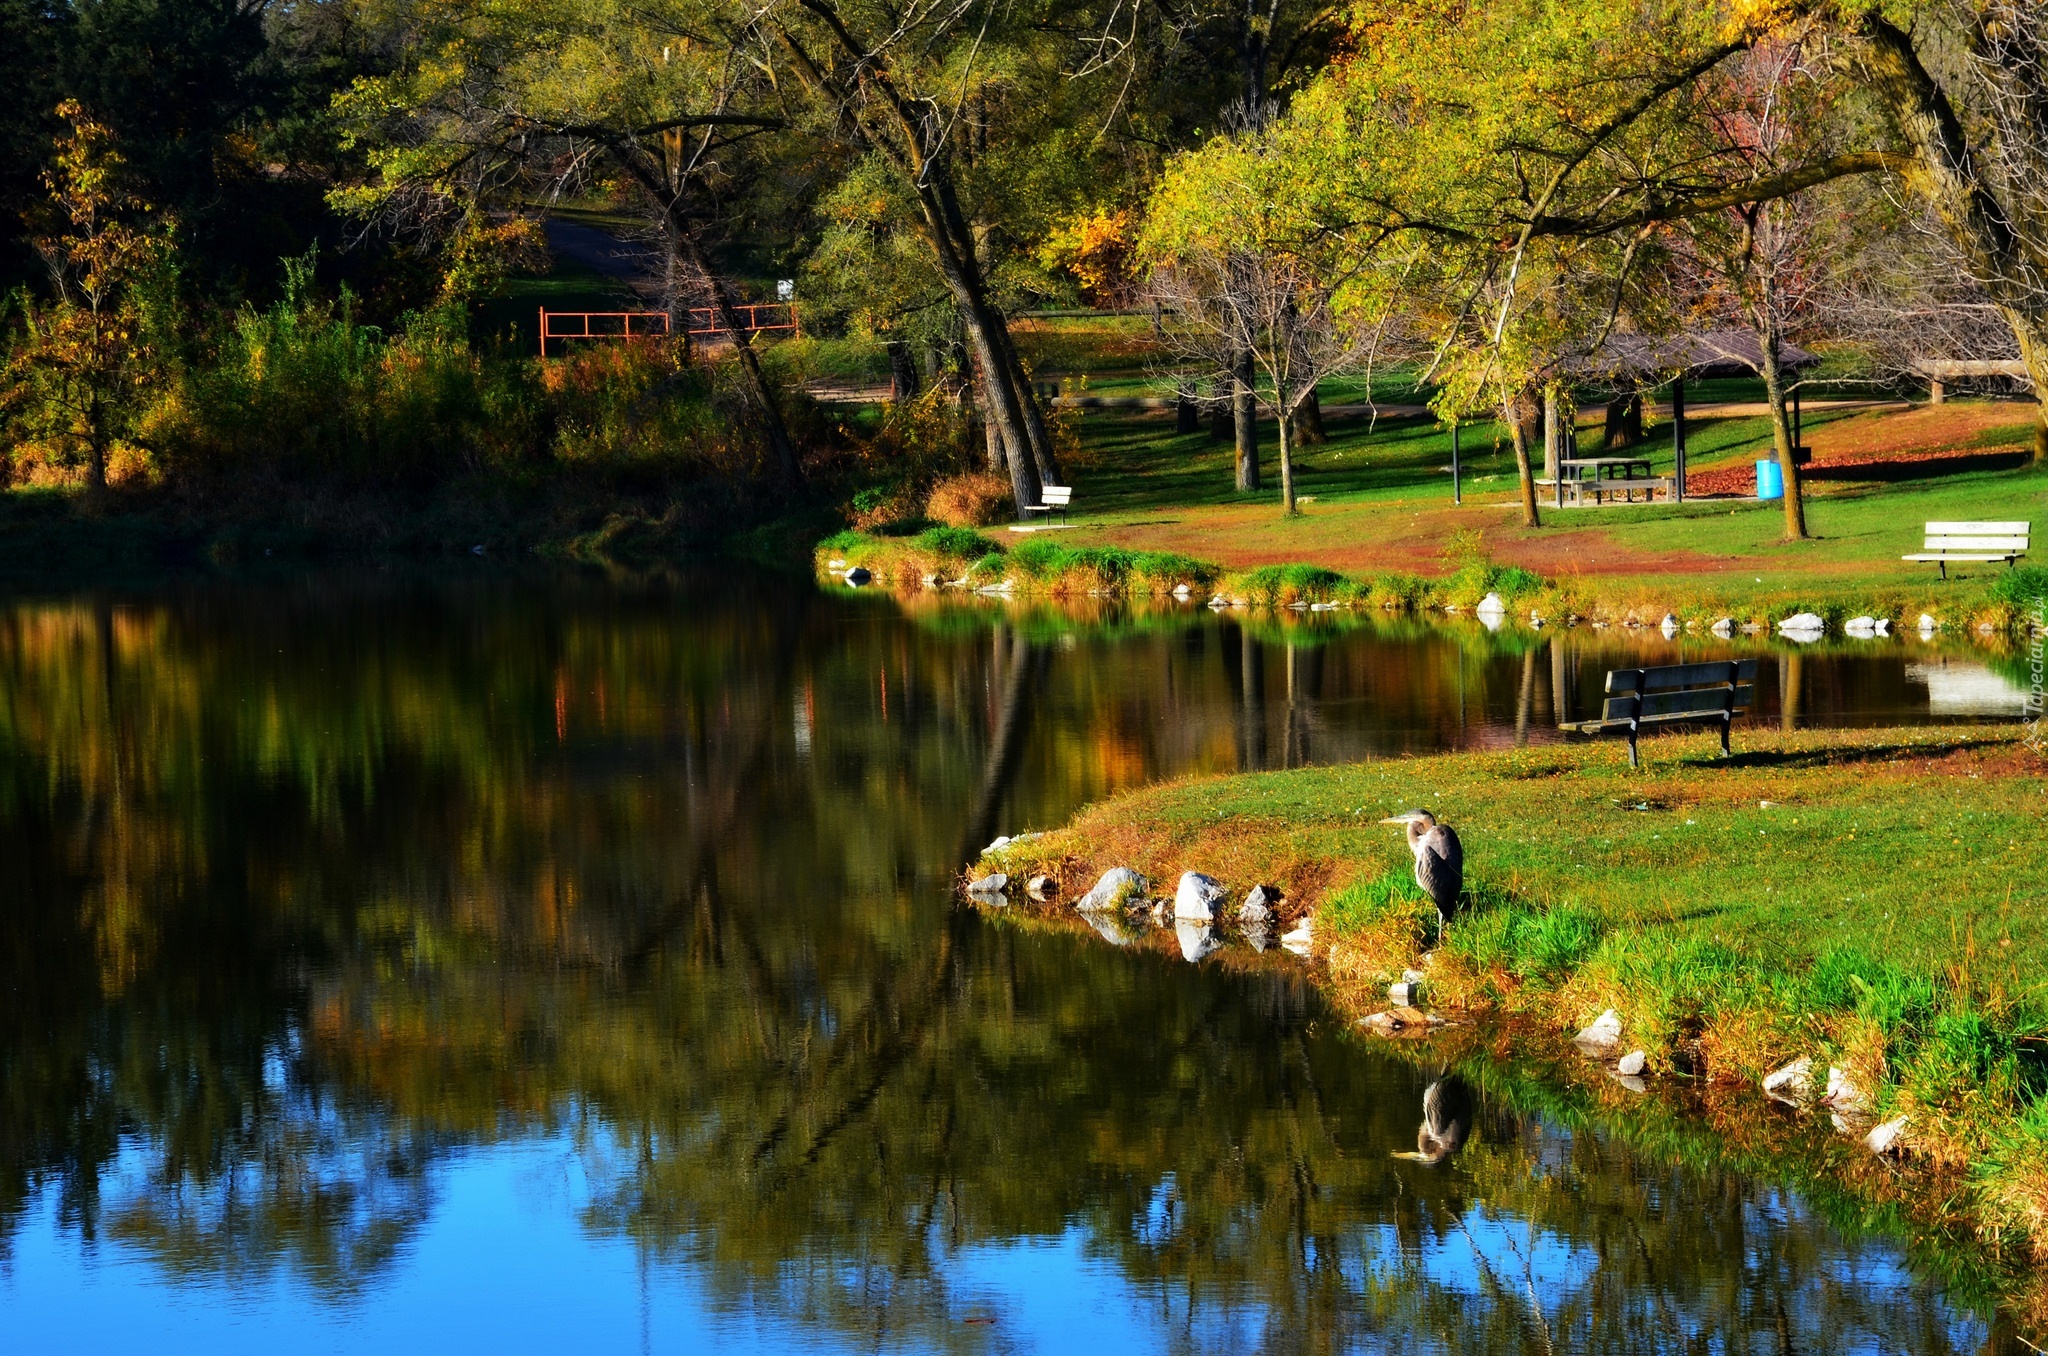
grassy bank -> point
(1048, 566)
(1877, 900)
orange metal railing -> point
(700, 322)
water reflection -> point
(336, 905)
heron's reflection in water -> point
(1446, 1120)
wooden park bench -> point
(1973, 542)
(1054, 499)
(1677, 694)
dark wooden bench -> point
(1677, 694)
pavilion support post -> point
(1678, 438)
(1457, 493)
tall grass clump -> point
(1279, 585)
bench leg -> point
(1632, 761)
(1726, 721)
(1942, 565)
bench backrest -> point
(1059, 494)
(1681, 689)
(1977, 537)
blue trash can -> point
(1770, 480)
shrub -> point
(956, 542)
(976, 499)
(2021, 589)
(1278, 585)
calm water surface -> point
(515, 962)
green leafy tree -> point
(489, 104)
(81, 364)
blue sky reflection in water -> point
(522, 962)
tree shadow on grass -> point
(1842, 757)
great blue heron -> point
(1439, 861)
(1446, 1120)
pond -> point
(512, 960)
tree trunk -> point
(1521, 430)
(1308, 422)
(1781, 436)
(1624, 422)
(96, 447)
(1244, 419)
(1287, 504)
(1221, 413)
(952, 238)
(902, 372)
(1554, 415)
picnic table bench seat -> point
(1675, 694)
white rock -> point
(1403, 994)
(1928, 625)
(1257, 908)
(1198, 898)
(1803, 621)
(1112, 928)
(1302, 940)
(1117, 886)
(1793, 1084)
(1752, 628)
(1603, 1035)
(992, 884)
(1632, 1064)
(1491, 603)
(1884, 626)
(1669, 626)
(1861, 627)
(1412, 976)
(1196, 939)
(858, 576)
(1041, 887)
(1002, 841)
(1724, 627)
(1633, 1082)
(1259, 936)
(1886, 1137)
(1181, 590)
(1536, 623)
(1843, 1096)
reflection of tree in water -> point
(664, 872)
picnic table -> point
(1602, 476)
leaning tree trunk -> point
(1244, 421)
(1781, 435)
(944, 217)
(1519, 431)
(1955, 186)
(2032, 332)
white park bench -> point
(1055, 499)
(1973, 542)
